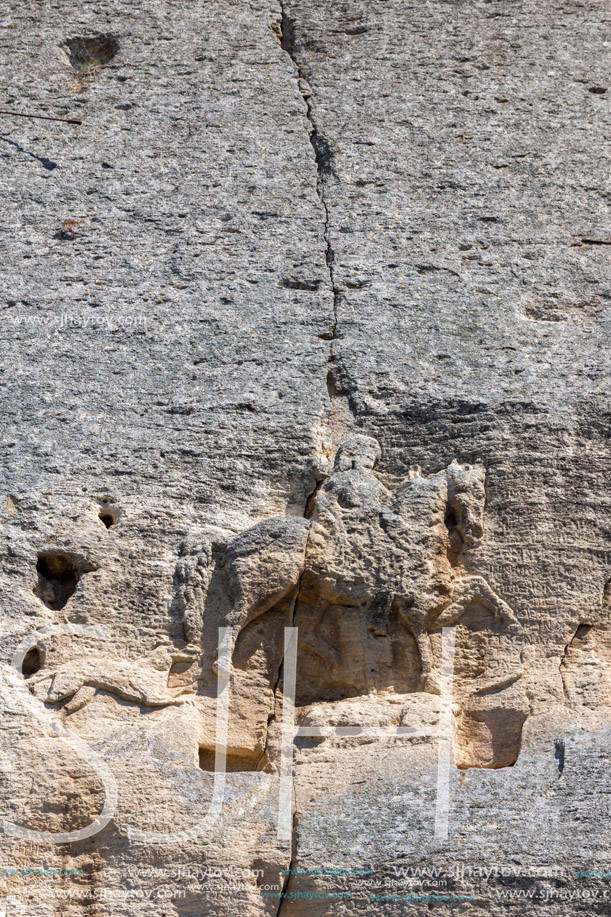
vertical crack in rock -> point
(559, 754)
(561, 669)
(562, 666)
(293, 856)
(323, 156)
(291, 867)
(581, 632)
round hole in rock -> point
(89, 53)
(107, 518)
(454, 537)
(450, 519)
(58, 577)
(32, 662)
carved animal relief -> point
(370, 579)
(370, 553)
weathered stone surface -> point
(306, 324)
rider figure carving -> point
(364, 541)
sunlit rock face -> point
(305, 458)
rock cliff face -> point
(305, 326)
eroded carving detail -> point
(141, 681)
(380, 560)
(368, 547)
(191, 580)
(586, 664)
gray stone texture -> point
(279, 226)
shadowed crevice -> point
(324, 159)
(58, 576)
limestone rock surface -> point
(305, 325)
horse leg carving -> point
(263, 566)
(475, 589)
(415, 620)
(315, 644)
(428, 679)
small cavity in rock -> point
(90, 53)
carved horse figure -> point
(364, 541)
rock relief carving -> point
(585, 667)
(141, 681)
(191, 580)
(402, 552)
(367, 546)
